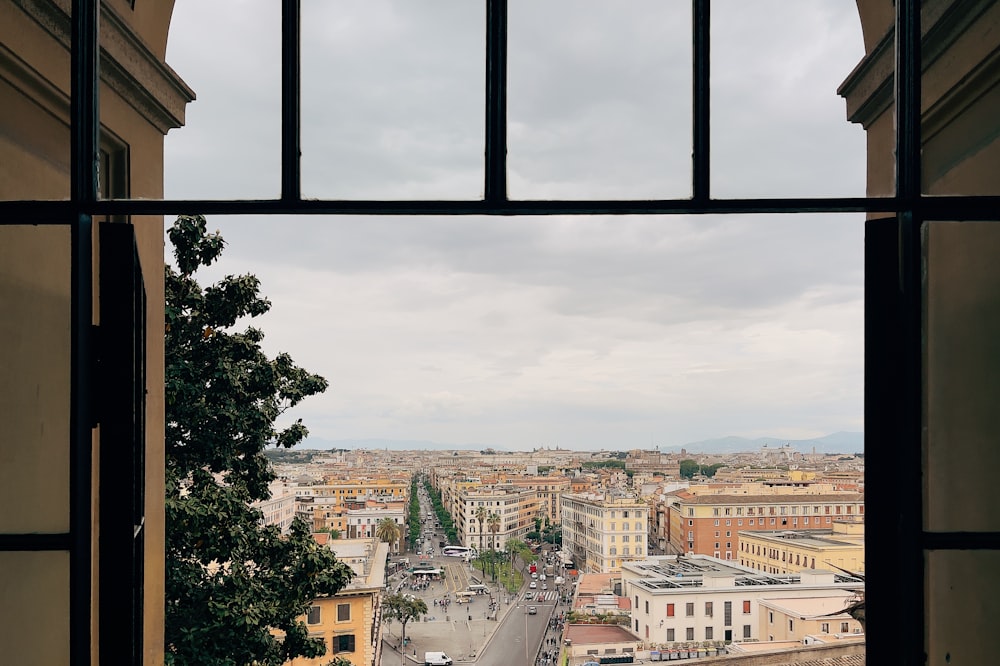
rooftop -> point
(700, 571)
(590, 634)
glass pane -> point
(34, 393)
(392, 99)
(778, 123)
(962, 326)
(229, 53)
(599, 99)
(563, 331)
(36, 593)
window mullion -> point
(291, 100)
(496, 101)
(701, 128)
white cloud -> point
(615, 331)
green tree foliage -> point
(234, 588)
(599, 464)
(689, 468)
(403, 608)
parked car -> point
(533, 585)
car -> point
(541, 597)
(534, 574)
(542, 577)
(533, 585)
(532, 610)
(545, 586)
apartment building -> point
(707, 519)
(549, 489)
(601, 532)
(788, 551)
(361, 520)
(353, 490)
(279, 509)
(691, 599)
(517, 510)
(350, 621)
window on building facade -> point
(708, 633)
(343, 643)
(670, 635)
(746, 606)
(343, 612)
(708, 609)
(689, 633)
(844, 627)
(746, 631)
(313, 615)
(670, 610)
(824, 627)
(689, 609)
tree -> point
(403, 608)
(493, 525)
(388, 531)
(689, 468)
(234, 588)
(481, 515)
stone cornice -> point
(127, 65)
(869, 89)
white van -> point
(436, 659)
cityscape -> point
(559, 557)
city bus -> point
(459, 551)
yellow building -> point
(350, 621)
(807, 619)
(788, 551)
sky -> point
(580, 332)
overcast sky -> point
(585, 332)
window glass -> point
(230, 145)
(392, 99)
(599, 99)
(797, 133)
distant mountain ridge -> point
(838, 442)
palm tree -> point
(493, 525)
(388, 531)
(481, 516)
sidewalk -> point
(451, 631)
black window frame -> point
(895, 589)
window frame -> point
(897, 575)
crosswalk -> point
(541, 596)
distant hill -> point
(838, 442)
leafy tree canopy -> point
(234, 588)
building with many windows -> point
(350, 622)
(788, 551)
(691, 599)
(515, 509)
(603, 531)
(707, 520)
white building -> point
(697, 598)
(516, 509)
(280, 508)
(602, 532)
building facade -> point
(788, 551)
(692, 599)
(516, 510)
(602, 532)
(707, 520)
(350, 622)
